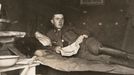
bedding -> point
(68, 64)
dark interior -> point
(115, 16)
(111, 23)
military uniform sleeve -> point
(50, 34)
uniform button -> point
(62, 40)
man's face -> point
(58, 21)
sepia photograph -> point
(66, 37)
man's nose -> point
(60, 21)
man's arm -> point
(73, 48)
(47, 42)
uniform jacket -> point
(66, 36)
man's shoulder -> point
(50, 32)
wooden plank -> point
(15, 51)
(15, 67)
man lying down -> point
(70, 49)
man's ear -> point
(52, 21)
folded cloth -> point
(74, 47)
(70, 50)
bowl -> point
(8, 60)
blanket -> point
(68, 64)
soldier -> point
(69, 41)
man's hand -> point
(85, 36)
(80, 39)
(58, 49)
(39, 53)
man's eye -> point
(59, 18)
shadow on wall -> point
(107, 22)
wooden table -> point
(31, 68)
